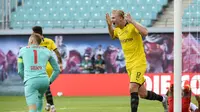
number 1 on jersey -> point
(35, 56)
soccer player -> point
(130, 34)
(187, 105)
(32, 62)
(48, 43)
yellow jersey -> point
(48, 43)
(132, 46)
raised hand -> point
(108, 19)
(128, 18)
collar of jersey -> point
(33, 45)
(124, 26)
(126, 23)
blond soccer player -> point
(130, 34)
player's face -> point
(115, 18)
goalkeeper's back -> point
(33, 60)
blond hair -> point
(121, 13)
(37, 37)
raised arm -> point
(56, 69)
(110, 28)
(142, 30)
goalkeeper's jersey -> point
(32, 62)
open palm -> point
(108, 19)
(128, 18)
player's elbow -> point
(145, 32)
(111, 35)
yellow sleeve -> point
(115, 34)
(53, 45)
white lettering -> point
(148, 83)
(156, 84)
(194, 81)
(165, 83)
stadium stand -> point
(81, 13)
(191, 14)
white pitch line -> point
(64, 108)
(16, 111)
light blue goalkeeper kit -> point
(32, 62)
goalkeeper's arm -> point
(56, 69)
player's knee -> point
(142, 91)
(133, 87)
(142, 94)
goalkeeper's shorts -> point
(35, 89)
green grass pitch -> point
(82, 104)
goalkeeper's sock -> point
(49, 97)
(134, 101)
(153, 96)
